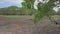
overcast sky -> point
(6, 3)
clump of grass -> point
(16, 16)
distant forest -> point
(14, 10)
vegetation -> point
(45, 8)
(16, 16)
(14, 10)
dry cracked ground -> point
(25, 26)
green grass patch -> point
(16, 16)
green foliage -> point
(44, 9)
(14, 10)
(37, 16)
(28, 4)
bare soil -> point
(25, 26)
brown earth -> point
(25, 26)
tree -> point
(45, 8)
(14, 10)
(8, 10)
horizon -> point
(7, 3)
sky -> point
(6, 3)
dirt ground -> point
(25, 26)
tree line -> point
(14, 10)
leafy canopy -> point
(43, 8)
